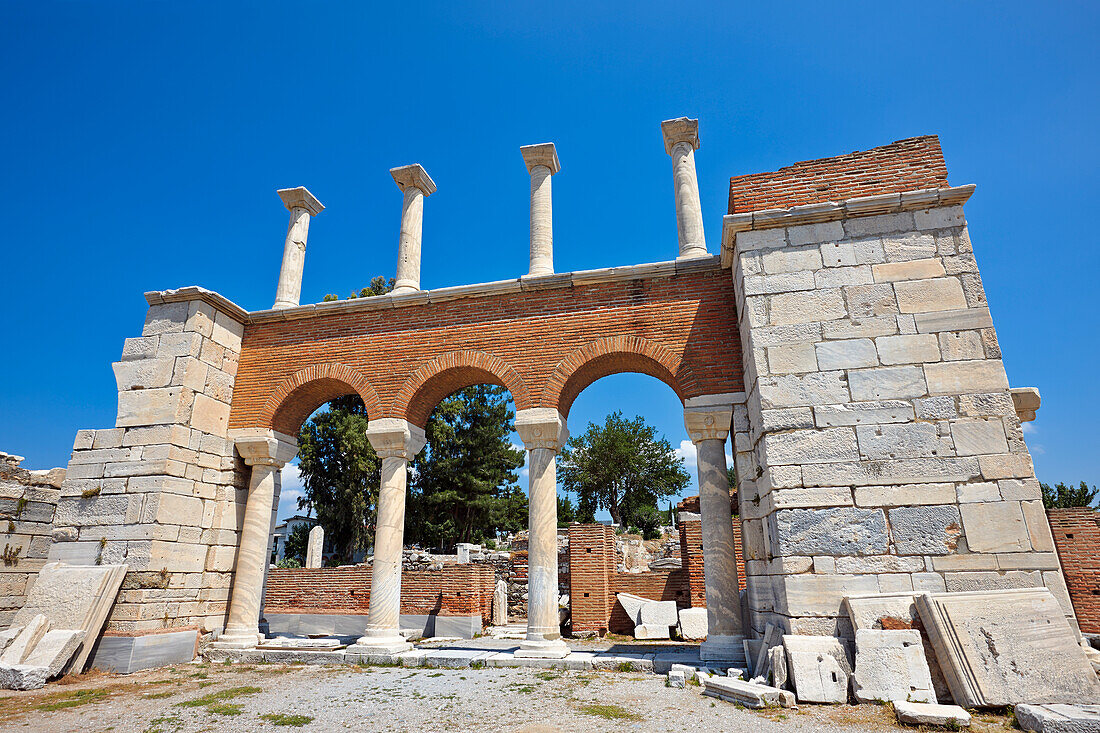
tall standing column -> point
(396, 442)
(266, 451)
(708, 424)
(681, 141)
(302, 205)
(415, 183)
(542, 163)
(543, 432)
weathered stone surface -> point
(868, 612)
(978, 437)
(965, 377)
(677, 679)
(926, 296)
(904, 495)
(632, 604)
(792, 359)
(811, 446)
(908, 440)
(819, 667)
(749, 694)
(22, 676)
(996, 526)
(807, 307)
(846, 354)
(887, 383)
(25, 641)
(908, 349)
(925, 530)
(651, 631)
(923, 713)
(55, 650)
(840, 531)
(820, 388)
(315, 547)
(890, 666)
(902, 470)
(863, 413)
(954, 320)
(693, 623)
(910, 270)
(659, 613)
(1058, 718)
(777, 666)
(1006, 647)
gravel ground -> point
(234, 697)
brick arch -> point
(615, 355)
(450, 372)
(307, 389)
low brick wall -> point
(28, 502)
(456, 590)
(1077, 539)
(658, 585)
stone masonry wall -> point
(879, 449)
(28, 500)
(1077, 537)
(162, 491)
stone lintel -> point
(680, 130)
(300, 198)
(263, 447)
(194, 292)
(393, 437)
(542, 154)
(1026, 400)
(413, 175)
(541, 427)
(887, 203)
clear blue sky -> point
(144, 143)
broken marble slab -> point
(777, 664)
(651, 631)
(7, 636)
(658, 613)
(926, 713)
(869, 611)
(24, 642)
(773, 637)
(677, 679)
(1058, 718)
(1003, 647)
(55, 650)
(632, 604)
(22, 676)
(890, 666)
(74, 597)
(749, 694)
(819, 667)
(693, 623)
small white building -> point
(282, 533)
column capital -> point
(415, 176)
(395, 438)
(542, 154)
(680, 130)
(708, 417)
(541, 427)
(262, 447)
(300, 198)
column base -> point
(725, 649)
(542, 649)
(238, 640)
(394, 644)
(694, 254)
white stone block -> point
(890, 666)
(926, 296)
(648, 631)
(22, 677)
(909, 270)
(792, 359)
(659, 613)
(819, 668)
(150, 407)
(979, 437)
(923, 713)
(632, 604)
(693, 623)
(749, 694)
(863, 413)
(910, 349)
(32, 631)
(847, 354)
(966, 377)
(995, 527)
(905, 495)
(677, 679)
(818, 446)
(886, 383)
(907, 440)
(806, 307)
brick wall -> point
(906, 165)
(591, 563)
(456, 590)
(658, 585)
(1077, 539)
(545, 346)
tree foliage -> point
(378, 286)
(464, 486)
(297, 543)
(623, 467)
(341, 474)
(1061, 496)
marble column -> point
(415, 184)
(542, 163)
(396, 442)
(266, 451)
(302, 205)
(708, 424)
(681, 141)
(543, 432)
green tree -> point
(297, 543)
(378, 286)
(464, 486)
(622, 467)
(341, 474)
(567, 511)
(1061, 496)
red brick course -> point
(906, 165)
(545, 346)
(592, 561)
(1077, 539)
(457, 590)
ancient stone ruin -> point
(887, 512)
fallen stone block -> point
(24, 642)
(777, 661)
(819, 667)
(677, 679)
(749, 694)
(55, 650)
(758, 664)
(632, 604)
(659, 613)
(1058, 718)
(1004, 647)
(22, 676)
(890, 666)
(689, 672)
(693, 623)
(925, 713)
(7, 636)
(649, 631)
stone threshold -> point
(465, 657)
(526, 283)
